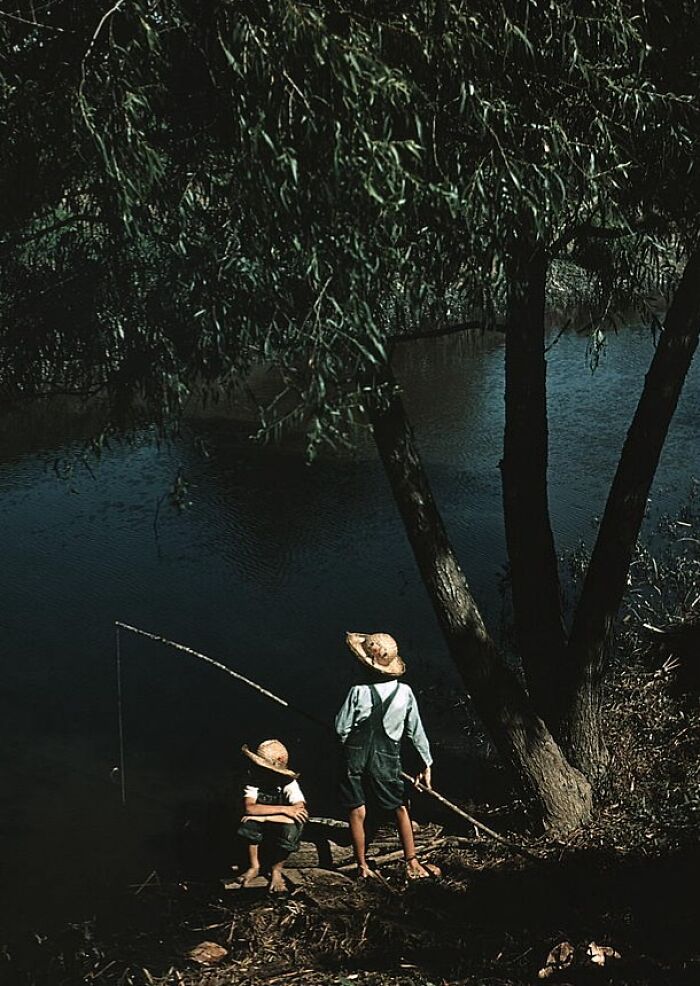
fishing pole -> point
(513, 846)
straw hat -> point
(272, 755)
(378, 651)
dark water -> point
(267, 569)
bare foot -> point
(277, 884)
(250, 874)
(416, 871)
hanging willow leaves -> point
(215, 182)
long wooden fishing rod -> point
(513, 846)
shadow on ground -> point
(488, 921)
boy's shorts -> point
(285, 837)
(375, 778)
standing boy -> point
(274, 811)
(370, 725)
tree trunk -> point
(558, 794)
(536, 592)
(607, 573)
(581, 729)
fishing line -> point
(120, 715)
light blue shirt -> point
(401, 715)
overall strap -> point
(270, 796)
(376, 714)
(385, 703)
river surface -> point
(268, 567)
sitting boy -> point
(274, 811)
(370, 725)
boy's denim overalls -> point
(372, 760)
(285, 838)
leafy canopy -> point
(206, 187)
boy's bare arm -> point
(297, 812)
(425, 778)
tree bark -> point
(534, 570)
(558, 794)
(606, 577)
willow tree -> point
(302, 184)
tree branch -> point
(23, 20)
(606, 577)
(591, 231)
(448, 330)
(561, 794)
(8, 245)
(535, 587)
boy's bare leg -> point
(253, 865)
(403, 824)
(357, 834)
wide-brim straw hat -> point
(272, 755)
(378, 651)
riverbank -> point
(627, 882)
(487, 921)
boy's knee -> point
(290, 837)
(250, 832)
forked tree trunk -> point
(558, 794)
(607, 572)
(534, 571)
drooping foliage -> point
(192, 188)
